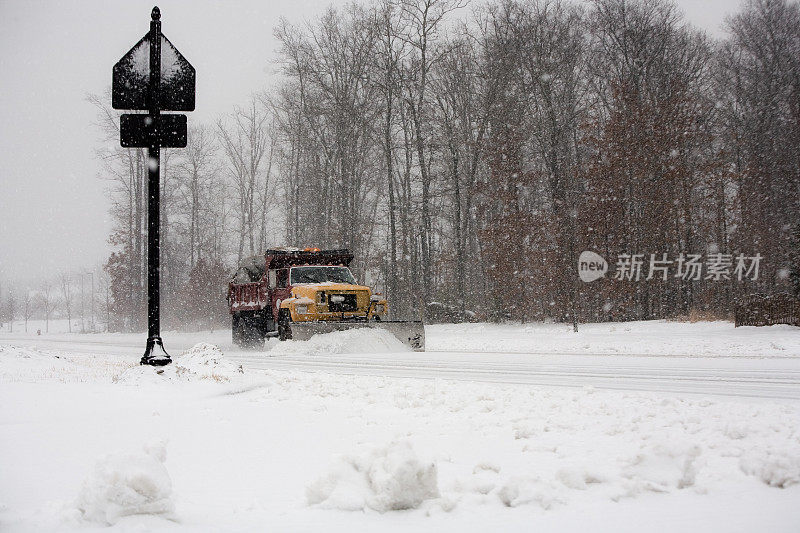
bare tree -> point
(27, 308)
(47, 301)
(244, 139)
(327, 112)
(11, 309)
(125, 174)
(423, 20)
(760, 95)
(196, 171)
(66, 297)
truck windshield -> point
(321, 274)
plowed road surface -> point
(759, 377)
(766, 378)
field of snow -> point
(214, 443)
(654, 337)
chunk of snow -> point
(579, 478)
(523, 490)
(127, 484)
(386, 478)
(775, 468)
(206, 361)
(662, 467)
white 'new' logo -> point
(591, 266)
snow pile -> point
(145, 375)
(387, 478)
(357, 340)
(127, 484)
(206, 361)
(203, 361)
(775, 468)
(662, 467)
(528, 490)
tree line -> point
(468, 154)
(82, 298)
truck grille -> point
(342, 306)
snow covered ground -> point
(654, 337)
(221, 441)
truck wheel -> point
(246, 330)
(284, 328)
(236, 329)
(258, 331)
(253, 337)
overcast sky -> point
(53, 211)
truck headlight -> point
(301, 309)
(380, 308)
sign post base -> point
(154, 353)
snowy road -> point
(758, 376)
(776, 378)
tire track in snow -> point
(777, 383)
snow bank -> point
(143, 375)
(127, 484)
(648, 337)
(17, 358)
(206, 361)
(30, 364)
(358, 340)
(203, 361)
(661, 467)
(387, 478)
(775, 468)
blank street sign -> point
(140, 131)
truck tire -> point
(247, 330)
(284, 326)
(254, 336)
(236, 329)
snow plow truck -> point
(294, 294)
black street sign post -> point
(153, 76)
